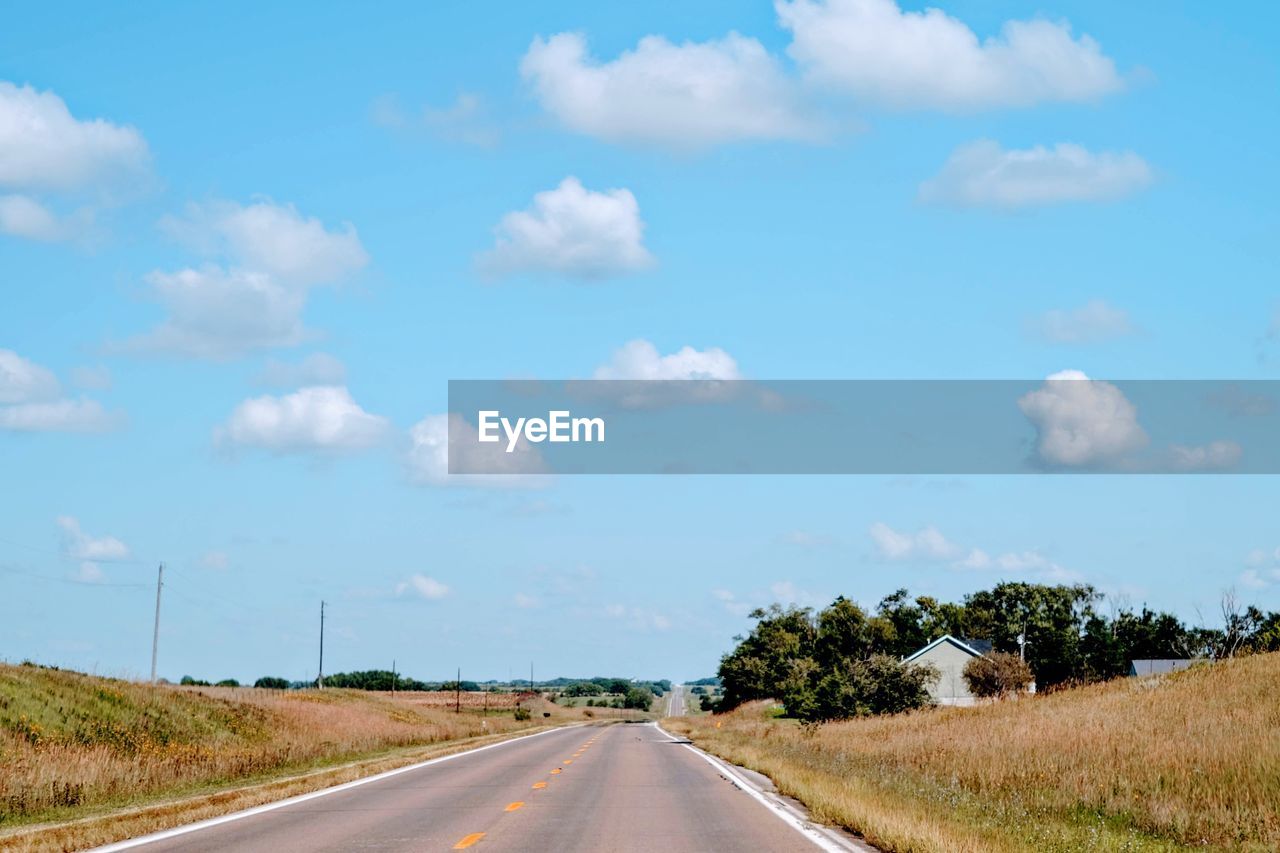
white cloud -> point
(925, 544)
(321, 418)
(43, 146)
(640, 359)
(423, 587)
(1095, 321)
(274, 257)
(81, 546)
(880, 54)
(1214, 456)
(44, 149)
(272, 238)
(685, 95)
(1082, 422)
(316, 369)
(428, 457)
(928, 545)
(23, 216)
(982, 174)
(89, 572)
(24, 381)
(218, 313)
(572, 231)
(31, 401)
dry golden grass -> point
(1191, 760)
(72, 745)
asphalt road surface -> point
(615, 788)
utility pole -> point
(320, 674)
(457, 693)
(530, 676)
(155, 634)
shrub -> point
(997, 674)
(522, 714)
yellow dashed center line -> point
(554, 772)
(513, 806)
(468, 840)
(538, 785)
(568, 761)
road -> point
(626, 787)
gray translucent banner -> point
(1064, 424)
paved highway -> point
(591, 788)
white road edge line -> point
(302, 798)
(821, 836)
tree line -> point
(844, 661)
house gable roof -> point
(945, 638)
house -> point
(1159, 666)
(948, 655)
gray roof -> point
(945, 638)
(1158, 666)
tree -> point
(638, 698)
(998, 674)
(880, 684)
(761, 661)
(1052, 618)
(272, 683)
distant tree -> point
(228, 682)
(272, 683)
(998, 674)
(193, 682)
(638, 698)
(618, 685)
(583, 688)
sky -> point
(243, 248)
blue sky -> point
(206, 207)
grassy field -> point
(1188, 761)
(73, 745)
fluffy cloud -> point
(880, 54)
(24, 381)
(272, 238)
(1082, 421)
(23, 216)
(982, 174)
(219, 313)
(321, 419)
(1093, 322)
(928, 545)
(1088, 423)
(674, 95)
(428, 457)
(31, 401)
(640, 359)
(925, 544)
(81, 546)
(274, 257)
(316, 369)
(423, 587)
(45, 149)
(572, 231)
